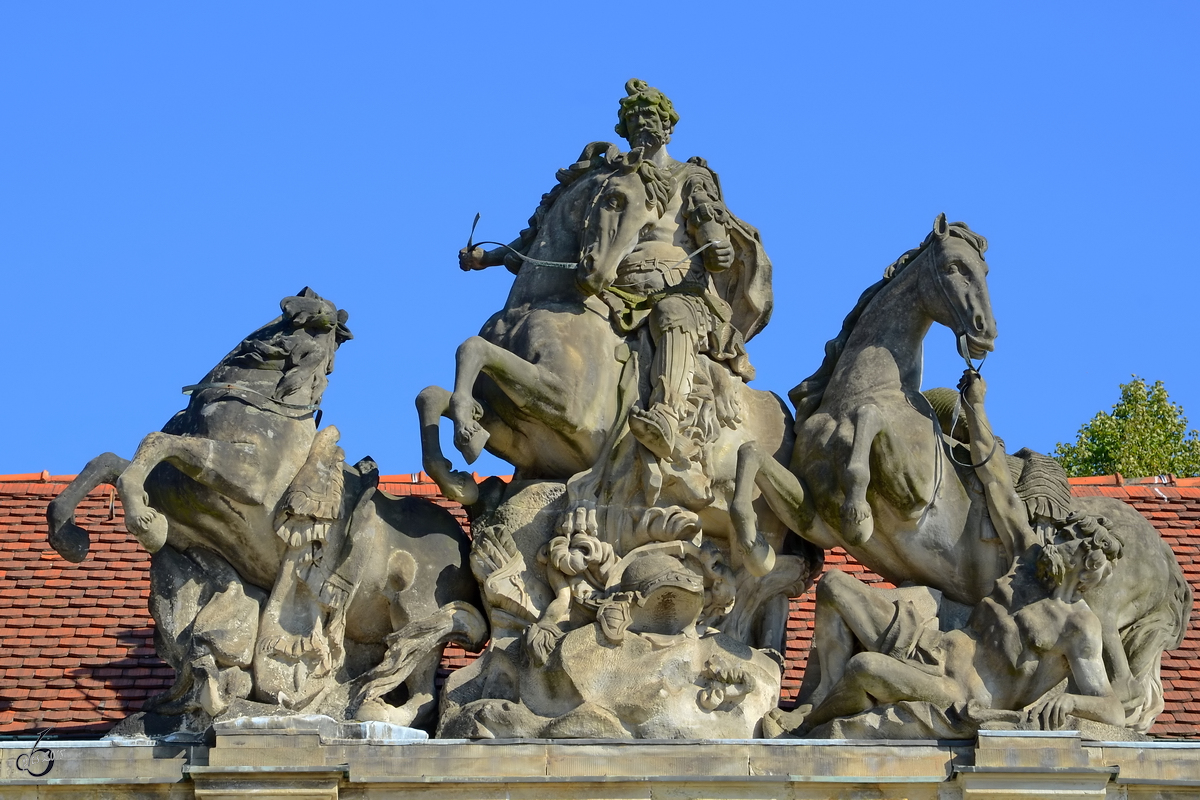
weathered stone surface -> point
(872, 471)
(282, 581)
(616, 374)
(327, 728)
(635, 574)
(649, 423)
(266, 764)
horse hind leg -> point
(857, 520)
(68, 539)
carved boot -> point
(657, 427)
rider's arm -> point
(478, 258)
(1007, 512)
(707, 218)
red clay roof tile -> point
(77, 641)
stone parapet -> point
(272, 764)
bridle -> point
(587, 217)
(963, 350)
(939, 280)
(534, 261)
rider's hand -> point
(719, 257)
(973, 387)
(471, 259)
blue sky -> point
(170, 171)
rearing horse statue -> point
(548, 384)
(278, 569)
(867, 471)
(539, 383)
(871, 470)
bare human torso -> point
(1023, 655)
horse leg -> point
(422, 693)
(857, 521)
(432, 404)
(785, 495)
(233, 469)
(70, 540)
(529, 386)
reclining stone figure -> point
(1034, 632)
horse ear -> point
(941, 227)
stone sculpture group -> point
(633, 578)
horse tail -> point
(70, 540)
(1145, 639)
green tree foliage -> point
(1146, 434)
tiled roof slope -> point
(76, 640)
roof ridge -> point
(1117, 479)
(36, 477)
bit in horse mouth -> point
(978, 348)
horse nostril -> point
(979, 323)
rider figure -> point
(665, 283)
(699, 280)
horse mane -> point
(289, 344)
(807, 395)
(594, 155)
(659, 183)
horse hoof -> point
(857, 524)
(70, 541)
(760, 558)
(471, 445)
(153, 532)
(461, 488)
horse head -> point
(288, 359)
(309, 310)
(953, 285)
(630, 197)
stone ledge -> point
(609, 770)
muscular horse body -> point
(540, 382)
(548, 384)
(871, 470)
(216, 497)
